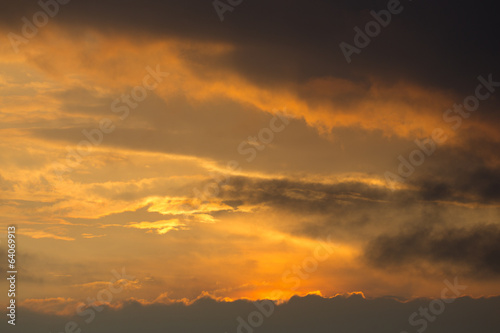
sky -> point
(179, 165)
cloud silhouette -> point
(312, 313)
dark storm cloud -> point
(477, 248)
(306, 314)
(446, 44)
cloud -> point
(89, 236)
(161, 227)
(480, 184)
(476, 250)
(351, 313)
(118, 284)
(322, 175)
(38, 234)
(6, 185)
(302, 33)
(469, 174)
(58, 305)
(328, 94)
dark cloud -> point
(301, 40)
(311, 314)
(465, 175)
(469, 185)
(304, 196)
(358, 212)
(477, 249)
(481, 185)
(348, 211)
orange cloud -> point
(89, 236)
(161, 227)
(38, 234)
(59, 305)
(97, 62)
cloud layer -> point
(311, 313)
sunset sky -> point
(188, 159)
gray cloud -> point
(477, 249)
(311, 313)
(465, 175)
